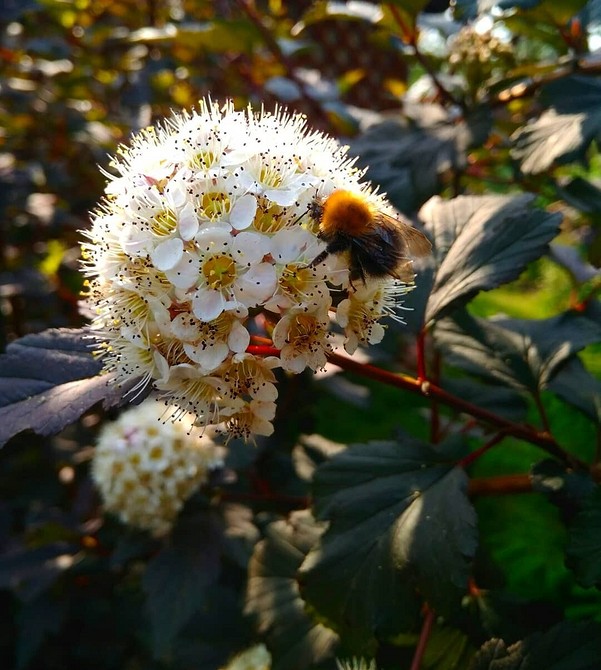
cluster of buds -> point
(146, 468)
(203, 237)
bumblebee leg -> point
(319, 258)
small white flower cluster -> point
(205, 234)
(146, 468)
(254, 658)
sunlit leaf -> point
(408, 157)
(295, 638)
(400, 523)
(563, 132)
(481, 242)
(49, 380)
(568, 646)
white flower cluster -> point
(254, 658)
(205, 235)
(146, 467)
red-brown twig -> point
(423, 638)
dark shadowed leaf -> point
(581, 194)
(564, 487)
(471, 9)
(400, 521)
(583, 553)
(407, 157)
(49, 380)
(240, 533)
(311, 452)
(521, 353)
(37, 619)
(570, 645)
(493, 397)
(575, 385)
(30, 571)
(213, 634)
(482, 242)
(564, 132)
(176, 578)
(296, 640)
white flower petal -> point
(243, 212)
(287, 244)
(167, 254)
(209, 358)
(184, 275)
(208, 305)
(239, 338)
(256, 285)
(250, 248)
(188, 222)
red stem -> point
(430, 390)
(470, 458)
(421, 355)
(423, 639)
(501, 485)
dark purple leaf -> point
(399, 520)
(176, 579)
(481, 242)
(49, 380)
(296, 640)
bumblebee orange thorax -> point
(345, 212)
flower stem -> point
(501, 485)
(470, 458)
(409, 33)
(423, 639)
(429, 390)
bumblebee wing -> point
(379, 253)
(416, 243)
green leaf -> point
(49, 380)
(447, 649)
(550, 11)
(562, 133)
(399, 521)
(296, 640)
(568, 646)
(521, 353)
(408, 157)
(482, 242)
(583, 553)
(215, 36)
(177, 577)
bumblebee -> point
(377, 244)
